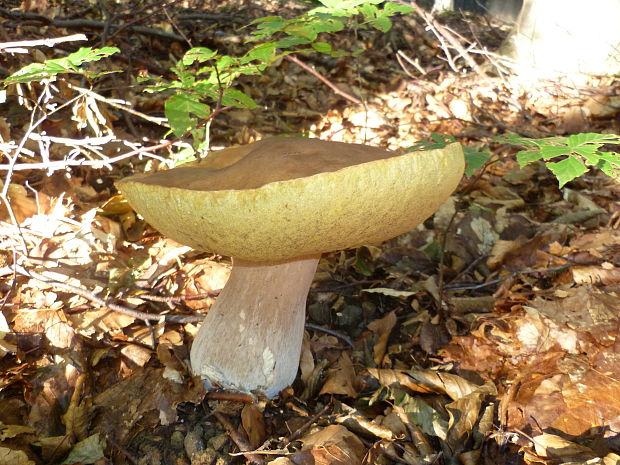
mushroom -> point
(274, 206)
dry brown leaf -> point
(595, 275)
(398, 379)
(129, 401)
(306, 362)
(22, 205)
(340, 379)
(11, 431)
(5, 130)
(551, 445)
(334, 445)
(611, 459)
(53, 323)
(382, 328)
(464, 414)
(584, 309)
(99, 322)
(137, 354)
(253, 424)
(282, 461)
(14, 457)
(77, 417)
(454, 386)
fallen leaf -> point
(253, 424)
(87, 451)
(334, 445)
(14, 457)
(340, 379)
(382, 328)
(551, 445)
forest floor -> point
(487, 335)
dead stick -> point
(238, 439)
(448, 36)
(104, 303)
(231, 396)
(323, 79)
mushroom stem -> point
(250, 341)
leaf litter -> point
(487, 334)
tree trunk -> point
(566, 37)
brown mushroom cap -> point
(283, 198)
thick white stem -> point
(250, 341)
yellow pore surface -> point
(284, 198)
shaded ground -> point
(487, 335)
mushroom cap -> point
(283, 198)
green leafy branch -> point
(566, 157)
(204, 77)
(72, 63)
(569, 157)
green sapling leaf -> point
(525, 157)
(199, 54)
(552, 151)
(566, 170)
(178, 110)
(69, 64)
(474, 160)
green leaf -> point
(305, 31)
(291, 41)
(439, 142)
(185, 155)
(178, 110)
(322, 47)
(267, 26)
(515, 139)
(474, 160)
(566, 170)
(264, 52)
(68, 64)
(589, 152)
(369, 11)
(393, 8)
(525, 157)
(199, 54)
(552, 151)
(238, 99)
(381, 23)
(591, 137)
(609, 163)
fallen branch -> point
(22, 45)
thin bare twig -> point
(81, 23)
(116, 104)
(400, 55)
(307, 425)
(94, 298)
(64, 164)
(174, 23)
(331, 332)
(238, 439)
(324, 80)
(443, 33)
(143, 18)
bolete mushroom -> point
(274, 206)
